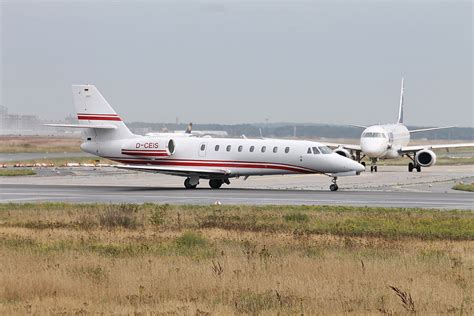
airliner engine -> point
(343, 152)
(425, 158)
(150, 148)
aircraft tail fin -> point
(93, 110)
(400, 109)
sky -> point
(336, 62)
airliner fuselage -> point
(384, 141)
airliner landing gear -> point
(191, 183)
(412, 166)
(333, 187)
(373, 165)
(215, 183)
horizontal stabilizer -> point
(82, 126)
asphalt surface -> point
(228, 195)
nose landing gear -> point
(373, 165)
(333, 187)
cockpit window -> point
(316, 151)
(374, 135)
(325, 150)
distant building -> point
(19, 124)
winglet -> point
(400, 109)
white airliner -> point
(390, 141)
(195, 158)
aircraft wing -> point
(175, 170)
(346, 146)
(430, 129)
(415, 148)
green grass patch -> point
(296, 217)
(469, 187)
(16, 172)
(63, 161)
(348, 221)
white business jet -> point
(390, 141)
(196, 158)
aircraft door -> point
(202, 149)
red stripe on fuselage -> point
(97, 114)
(99, 118)
(162, 154)
(144, 150)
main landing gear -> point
(192, 183)
(413, 165)
(217, 183)
(333, 187)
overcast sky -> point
(243, 61)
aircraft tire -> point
(333, 187)
(215, 183)
(418, 168)
(410, 167)
(187, 185)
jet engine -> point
(425, 158)
(343, 152)
(153, 148)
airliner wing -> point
(175, 170)
(430, 129)
(346, 146)
(410, 149)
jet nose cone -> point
(358, 167)
(373, 149)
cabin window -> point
(275, 149)
(240, 148)
(264, 148)
(325, 150)
(374, 135)
(252, 148)
(203, 147)
(216, 148)
(287, 150)
(228, 147)
(309, 151)
(316, 151)
(89, 138)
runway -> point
(142, 194)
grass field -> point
(33, 144)
(464, 187)
(63, 161)
(203, 260)
(16, 172)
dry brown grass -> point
(63, 259)
(31, 144)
